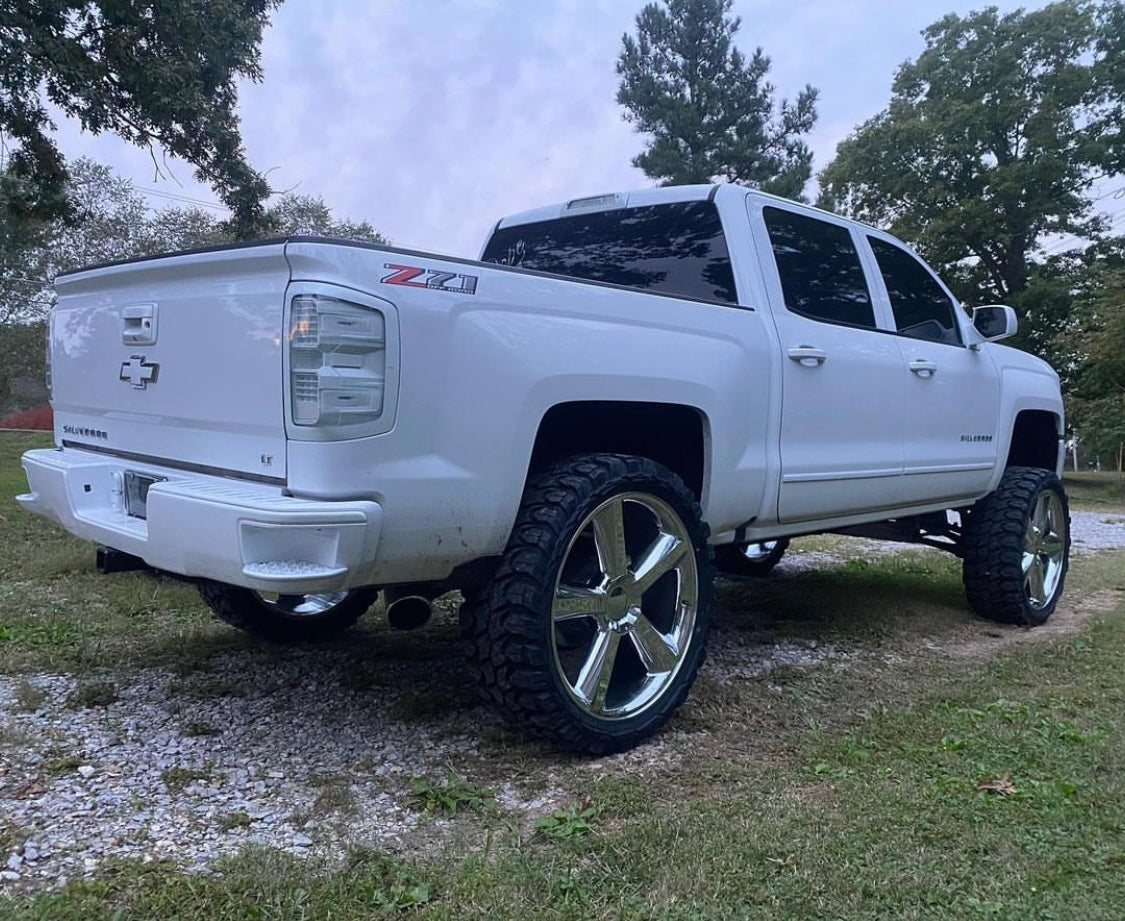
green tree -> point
(109, 219)
(22, 238)
(22, 380)
(106, 220)
(709, 109)
(308, 214)
(158, 73)
(1097, 403)
(991, 142)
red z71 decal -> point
(404, 275)
(429, 278)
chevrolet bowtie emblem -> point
(139, 372)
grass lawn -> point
(1095, 489)
(944, 769)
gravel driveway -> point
(309, 750)
(1093, 531)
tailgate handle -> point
(138, 324)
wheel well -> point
(1035, 440)
(667, 433)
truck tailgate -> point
(176, 359)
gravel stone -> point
(297, 719)
(1094, 531)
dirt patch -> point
(982, 640)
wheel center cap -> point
(617, 603)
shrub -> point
(38, 417)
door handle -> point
(923, 368)
(807, 355)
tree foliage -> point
(992, 140)
(709, 109)
(110, 220)
(1097, 398)
(158, 73)
(308, 214)
(106, 220)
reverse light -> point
(337, 366)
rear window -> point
(676, 249)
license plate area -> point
(136, 493)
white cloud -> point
(432, 119)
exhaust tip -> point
(409, 612)
(110, 561)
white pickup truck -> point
(562, 431)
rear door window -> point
(677, 249)
(821, 275)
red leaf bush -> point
(38, 417)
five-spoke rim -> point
(624, 606)
(1044, 549)
(301, 605)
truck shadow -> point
(419, 681)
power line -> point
(186, 199)
(1071, 241)
(1117, 193)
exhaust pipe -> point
(110, 561)
(406, 609)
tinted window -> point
(678, 248)
(821, 275)
(922, 310)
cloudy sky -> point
(432, 118)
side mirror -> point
(995, 322)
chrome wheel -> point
(1044, 549)
(624, 606)
(1014, 548)
(597, 616)
(301, 605)
(755, 559)
(755, 553)
(286, 618)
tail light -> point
(338, 368)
